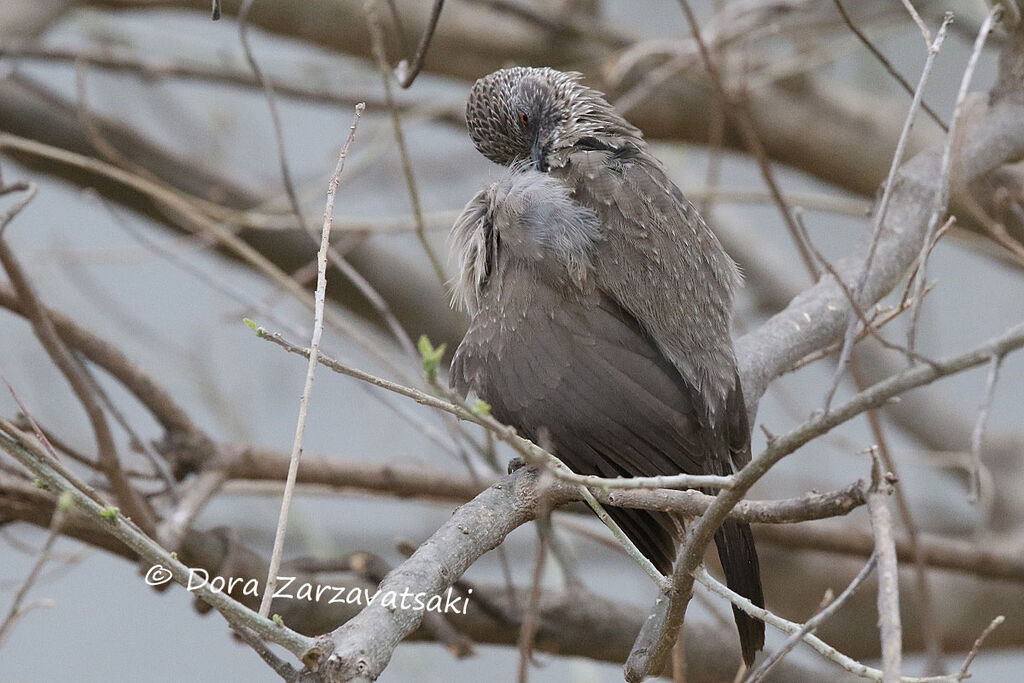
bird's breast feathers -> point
(525, 220)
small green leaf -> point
(278, 620)
(66, 501)
(174, 555)
(431, 356)
(480, 407)
(254, 326)
(110, 513)
(40, 484)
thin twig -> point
(889, 625)
(627, 544)
(978, 433)
(821, 647)
(925, 33)
(282, 668)
(993, 625)
(159, 463)
(930, 629)
(883, 206)
(531, 617)
(339, 261)
(275, 117)
(738, 113)
(813, 623)
(45, 454)
(377, 37)
(848, 20)
(36, 429)
(867, 327)
(72, 370)
(562, 553)
(174, 526)
(405, 73)
(123, 529)
(56, 524)
(946, 171)
(314, 345)
(30, 190)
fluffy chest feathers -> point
(526, 221)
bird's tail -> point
(655, 534)
(743, 575)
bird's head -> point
(525, 114)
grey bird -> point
(600, 304)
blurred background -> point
(160, 90)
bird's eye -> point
(524, 119)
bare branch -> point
(995, 623)
(658, 635)
(275, 117)
(812, 624)
(821, 647)
(818, 315)
(909, 89)
(80, 385)
(953, 142)
(741, 119)
(991, 559)
(883, 205)
(16, 609)
(314, 345)
(377, 35)
(406, 73)
(149, 550)
(978, 433)
(889, 624)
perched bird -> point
(600, 304)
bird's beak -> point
(537, 156)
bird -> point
(600, 305)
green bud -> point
(66, 501)
(430, 356)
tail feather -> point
(655, 534)
(743, 575)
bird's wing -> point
(582, 378)
(662, 264)
(579, 372)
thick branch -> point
(362, 647)
(818, 316)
